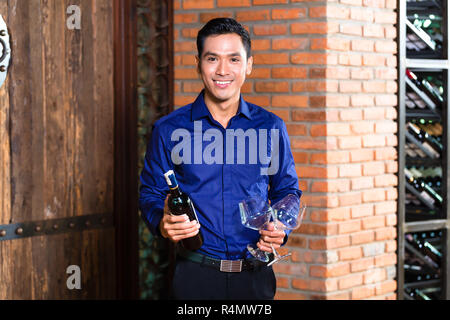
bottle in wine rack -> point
(428, 143)
(179, 203)
(426, 194)
(424, 89)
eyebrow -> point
(209, 53)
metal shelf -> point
(440, 220)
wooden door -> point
(58, 151)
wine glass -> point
(255, 214)
(287, 215)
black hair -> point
(219, 26)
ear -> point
(249, 65)
(197, 61)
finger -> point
(269, 240)
(269, 245)
(176, 219)
(264, 247)
(182, 228)
(273, 234)
(184, 236)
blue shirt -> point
(217, 170)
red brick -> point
(263, 2)
(271, 58)
(291, 13)
(290, 269)
(290, 72)
(290, 44)
(350, 226)
(330, 270)
(350, 253)
(187, 18)
(350, 170)
(385, 287)
(297, 130)
(373, 222)
(373, 195)
(290, 295)
(362, 292)
(233, 3)
(259, 100)
(362, 264)
(269, 29)
(312, 58)
(289, 101)
(206, 16)
(310, 27)
(388, 233)
(363, 210)
(260, 44)
(362, 237)
(386, 260)
(271, 86)
(198, 4)
(350, 281)
(331, 242)
(260, 73)
(374, 275)
(315, 284)
(252, 15)
(349, 142)
(373, 168)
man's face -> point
(223, 67)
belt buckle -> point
(231, 265)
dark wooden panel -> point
(43, 262)
(57, 146)
(60, 95)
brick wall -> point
(329, 69)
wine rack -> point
(423, 267)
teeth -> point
(223, 82)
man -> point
(204, 143)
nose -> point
(222, 68)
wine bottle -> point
(179, 203)
(425, 247)
(429, 143)
(424, 89)
(421, 190)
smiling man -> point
(211, 123)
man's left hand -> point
(270, 235)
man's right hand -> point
(177, 228)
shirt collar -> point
(200, 110)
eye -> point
(235, 60)
(211, 59)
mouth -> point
(222, 84)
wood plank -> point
(20, 93)
(91, 250)
(103, 103)
(5, 148)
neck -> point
(222, 111)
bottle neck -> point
(175, 192)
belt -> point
(222, 265)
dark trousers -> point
(194, 281)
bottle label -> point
(193, 210)
(429, 148)
(427, 197)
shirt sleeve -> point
(154, 189)
(284, 181)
